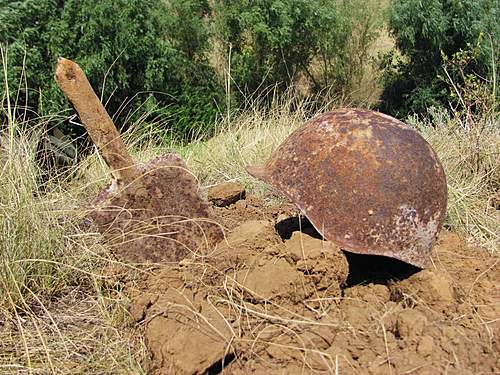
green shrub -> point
(429, 32)
(345, 52)
(272, 44)
(147, 55)
(272, 41)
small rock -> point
(225, 194)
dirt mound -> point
(275, 300)
(254, 208)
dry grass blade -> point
(471, 159)
(57, 313)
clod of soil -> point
(225, 194)
(187, 334)
(262, 304)
(254, 208)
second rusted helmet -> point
(366, 181)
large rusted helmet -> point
(366, 181)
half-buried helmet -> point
(366, 181)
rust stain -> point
(366, 181)
(166, 220)
(148, 213)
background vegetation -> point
(180, 63)
(142, 57)
(427, 35)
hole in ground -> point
(364, 269)
(220, 365)
(286, 227)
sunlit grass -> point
(59, 309)
(471, 158)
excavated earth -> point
(275, 298)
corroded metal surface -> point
(366, 181)
(150, 212)
(75, 85)
(164, 220)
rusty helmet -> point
(366, 181)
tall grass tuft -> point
(31, 239)
(58, 313)
(35, 258)
(470, 154)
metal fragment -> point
(148, 213)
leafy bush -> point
(427, 33)
(148, 54)
(271, 41)
(346, 52)
(275, 43)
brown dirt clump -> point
(275, 300)
(225, 194)
(254, 208)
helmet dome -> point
(366, 181)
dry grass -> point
(470, 154)
(60, 313)
(83, 331)
(59, 310)
(247, 139)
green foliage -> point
(275, 43)
(329, 35)
(427, 33)
(475, 97)
(149, 60)
(149, 55)
(344, 51)
(271, 41)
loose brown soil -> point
(277, 299)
